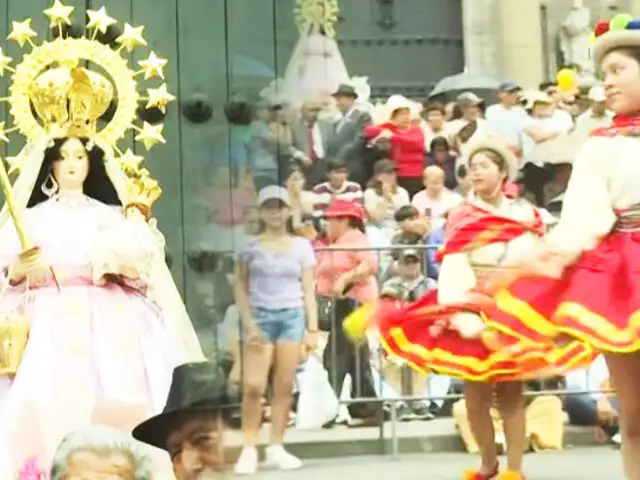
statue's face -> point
(98, 466)
(72, 168)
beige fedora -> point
(612, 40)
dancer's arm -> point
(587, 211)
(457, 279)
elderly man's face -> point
(98, 466)
(196, 448)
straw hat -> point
(619, 32)
(532, 97)
(499, 147)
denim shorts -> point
(286, 324)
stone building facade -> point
(520, 39)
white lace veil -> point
(162, 288)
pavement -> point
(438, 435)
(586, 463)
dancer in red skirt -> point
(445, 331)
(586, 273)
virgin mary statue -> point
(83, 266)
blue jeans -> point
(280, 324)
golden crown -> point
(53, 92)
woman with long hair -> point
(100, 349)
(584, 279)
(443, 332)
(275, 296)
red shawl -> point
(471, 227)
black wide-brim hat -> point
(195, 388)
(345, 90)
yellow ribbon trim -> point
(598, 331)
(474, 369)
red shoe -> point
(473, 475)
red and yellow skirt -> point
(597, 300)
(417, 334)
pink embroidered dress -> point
(99, 351)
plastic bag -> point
(317, 402)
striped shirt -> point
(325, 194)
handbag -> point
(14, 334)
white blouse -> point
(458, 270)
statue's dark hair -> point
(97, 185)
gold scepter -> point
(30, 253)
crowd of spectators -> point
(400, 179)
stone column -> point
(521, 45)
(481, 38)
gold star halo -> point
(150, 135)
(59, 14)
(4, 63)
(159, 98)
(21, 32)
(100, 20)
(71, 50)
(153, 66)
(70, 53)
(3, 133)
(131, 37)
(130, 162)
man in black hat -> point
(192, 423)
(347, 141)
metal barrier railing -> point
(360, 361)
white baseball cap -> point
(596, 94)
(274, 192)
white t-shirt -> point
(437, 207)
(548, 124)
(562, 120)
(372, 200)
(507, 122)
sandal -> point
(474, 475)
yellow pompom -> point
(592, 38)
(356, 324)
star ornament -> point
(131, 37)
(159, 98)
(153, 66)
(59, 14)
(21, 32)
(130, 161)
(100, 20)
(4, 62)
(150, 135)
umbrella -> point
(463, 82)
(244, 66)
(559, 150)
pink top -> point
(229, 206)
(332, 264)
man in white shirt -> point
(596, 116)
(561, 118)
(506, 118)
(434, 123)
